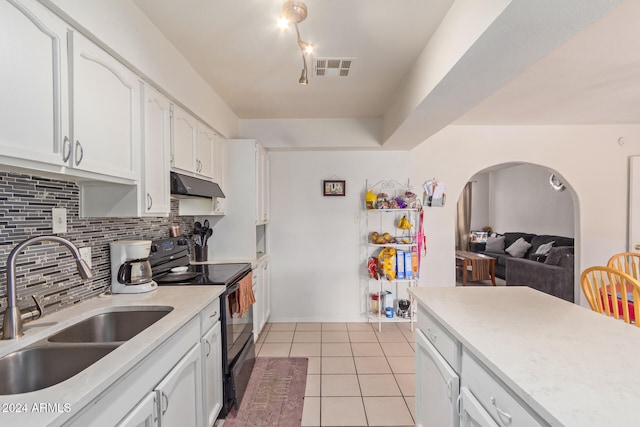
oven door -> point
(238, 330)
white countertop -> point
(573, 366)
(78, 391)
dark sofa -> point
(554, 276)
(534, 239)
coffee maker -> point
(130, 267)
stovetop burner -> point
(171, 277)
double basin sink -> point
(70, 351)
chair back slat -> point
(612, 292)
(629, 262)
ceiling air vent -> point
(332, 67)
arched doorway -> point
(518, 201)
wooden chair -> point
(628, 262)
(612, 292)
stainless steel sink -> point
(36, 368)
(113, 326)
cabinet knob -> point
(149, 201)
(208, 347)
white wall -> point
(314, 241)
(523, 200)
(480, 198)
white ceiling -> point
(236, 46)
(592, 79)
(535, 64)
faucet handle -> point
(39, 306)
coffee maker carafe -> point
(130, 267)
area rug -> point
(274, 395)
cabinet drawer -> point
(210, 315)
(447, 345)
(504, 407)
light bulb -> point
(283, 23)
(308, 49)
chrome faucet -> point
(13, 319)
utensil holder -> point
(201, 253)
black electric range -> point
(169, 259)
(174, 254)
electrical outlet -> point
(85, 253)
(59, 216)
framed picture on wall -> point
(333, 188)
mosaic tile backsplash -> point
(48, 270)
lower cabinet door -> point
(437, 387)
(145, 414)
(472, 414)
(212, 374)
(179, 394)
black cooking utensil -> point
(207, 235)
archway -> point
(517, 200)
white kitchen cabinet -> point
(262, 185)
(235, 233)
(179, 394)
(211, 345)
(204, 151)
(219, 172)
(145, 414)
(34, 84)
(191, 144)
(156, 140)
(472, 414)
(257, 308)
(184, 133)
(151, 196)
(437, 387)
(262, 293)
(106, 108)
(499, 402)
(42, 97)
(484, 398)
(266, 291)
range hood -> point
(188, 186)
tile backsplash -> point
(48, 270)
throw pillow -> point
(544, 249)
(518, 248)
(554, 257)
(495, 244)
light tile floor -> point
(357, 376)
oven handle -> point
(232, 288)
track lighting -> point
(294, 12)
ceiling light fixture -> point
(294, 12)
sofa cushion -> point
(544, 248)
(511, 237)
(518, 248)
(495, 244)
(556, 255)
(546, 238)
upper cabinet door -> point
(220, 171)
(204, 154)
(33, 83)
(156, 151)
(183, 139)
(105, 113)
